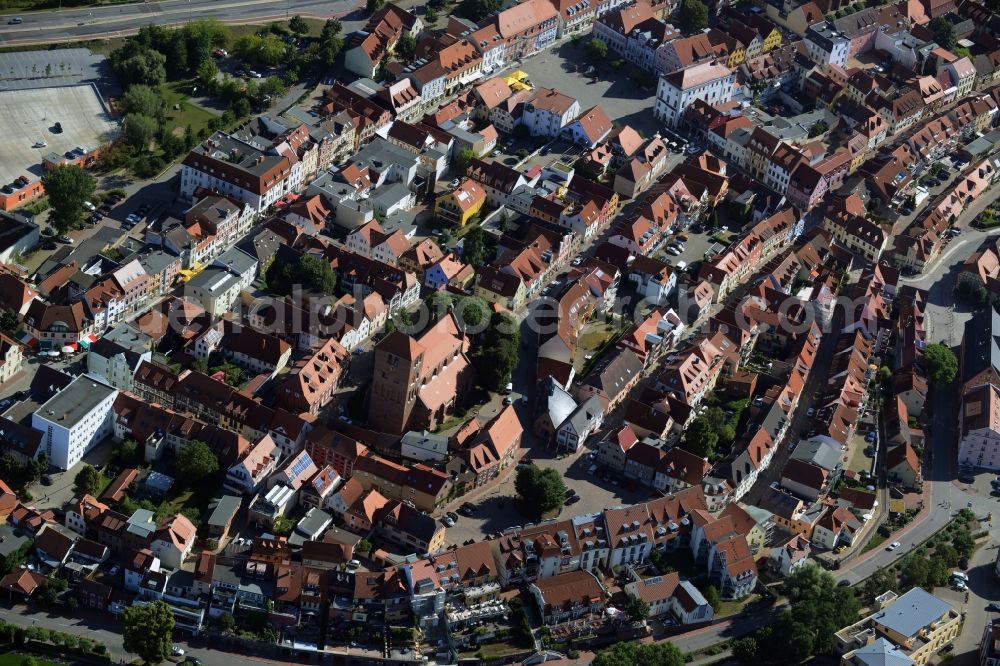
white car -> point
(176, 651)
(40, 144)
(673, 251)
(89, 206)
(454, 183)
(892, 546)
(447, 520)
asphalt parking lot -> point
(622, 100)
(498, 510)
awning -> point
(86, 341)
(69, 349)
(27, 339)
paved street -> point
(945, 317)
(125, 19)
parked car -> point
(452, 515)
(65, 239)
(176, 651)
(993, 607)
(811, 412)
(573, 500)
(89, 206)
(448, 521)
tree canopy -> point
(141, 99)
(540, 490)
(68, 186)
(140, 130)
(147, 631)
(312, 273)
(700, 438)
(940, 363)
(298, 25)
(631, 653)
(496, 352)
(477, 10)
(478, 246)
(87, 481)
(597, 51)
(692, 16)
(944, 32)
(195, 462)
(819, 608)
(406, 47)
(267, 50)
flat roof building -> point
(75, 419)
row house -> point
(366, 49)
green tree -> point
(438, 303)
(147, 631)
(51, 589)
(406, 47)
(363, 546)
(87, 481)
(941, 364)
(207, 73)
(478, 247)
(819, 127)
(746, 650)
(298, 25)
(692, 16)
(241, 107)
(126, 451)
(136, 62)
(540, 490)
(916, 569)
(140, 130)
(317, 274)
(141, 99)
(268, 50)
(372, 6)
(808, 582)
(431, 16)
(713, 598)
(477, 10)
(944, 32)
(637, 609)
(67, 186)
(195, 462)
(472, 311)
(227, 623)
(597, 51)
(633, 653)
(462, 160)
(9, 320)
(884, 374)
(701, 437)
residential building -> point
(915, 625)
(75, 420)
(708, 81)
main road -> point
(106, 21)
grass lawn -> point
(12, 659)
(876, 541)
(596, 335)
(177, 94)
(491, 651)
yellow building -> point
(913, 626)
(461, 204)
(772, 40)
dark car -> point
(993, 607)
(570, 492)
(452, 515)
(844, 583)
(46, 480)
(57, 128)
(573, 500)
